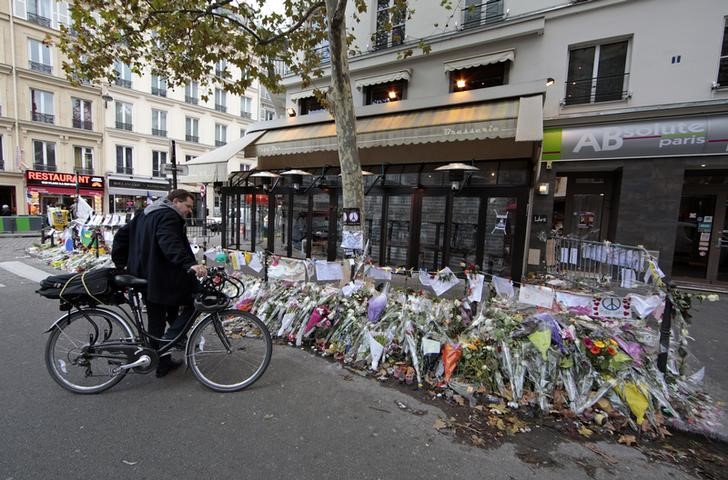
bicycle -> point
(92, 347)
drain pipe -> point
(18, 149)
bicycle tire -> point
(66, 363)
(211, 362)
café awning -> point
(386, 78)
(480, 60)
(475, 121)
(212, 165)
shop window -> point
(158, 160)
(82, 117)
(482, 76)
(83, 160)
(39, 56)
(482, 12)
(159, 123)
(723, 68)
(124, 160)
(44, 155)
(41, 106)
(309, 105)
(390, 24)
(123, 74)
(597, 73)
(123, 116)
(385, 92)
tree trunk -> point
(343, 110)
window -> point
(159, 86)
(159, 123)
(385, 92)
(265, 94)
(2, 159)
(597, 73)
(39, 56)
(242, 132)
(220, 100)
(81, 113)
(83, 160)
(308, 105)
(192, 129)
(44, 155)
(41, 106)
(220, 68)
(40, 12)
(390, 25)
(191, 95)
(220, 134)
(246, 107)
(123, 116)
(124, 160)
(268, 114)
(123, 74)
(482, 76)
(189, 157)
(481, 12)
(159, 158)
(723, 68)
(244, 167)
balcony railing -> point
(220, 143)
(40, 67)
(160, 92)
(598, 89)
(192, 138)
(84, 171)
(42, 117)
(159, 133)
(191, 100)
(384, 39)
(221, 108)
(39, 20)
(84, 124)
(324, 53)
(125, 170)
(246, 114)
(44, 167)
(123, 126)
(157, 173)
(485, 13)
(122, 83)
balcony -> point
(324, 54)
(83, 124)
(122, 83)
(384, 39)
(220, 143)
(42, 117)
(246, 114)
(221, 108)
(159, 133)
(125, 170)
(123, 126)
(44, 167)
(598, 89)
(191, 100)
(485, 13)
(160, 92)
(40, 67)
(192, 138)
(39, 20)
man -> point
(154, 246)
(5, 212)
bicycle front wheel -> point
(229, 351)
(73, 357)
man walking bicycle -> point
(154, 246)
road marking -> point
(23, 270)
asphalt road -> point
(305, 419)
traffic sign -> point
(181, 169)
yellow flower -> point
(599, 344)
(613, 342)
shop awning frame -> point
(386, 78)
(480, 60)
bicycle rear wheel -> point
(229, 351)
(68, 358)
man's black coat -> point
(154, 246)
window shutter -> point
(20, 9)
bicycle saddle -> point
(125, 281)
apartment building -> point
(603, 119)
(108, 142)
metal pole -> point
(665, 330)
(173, 156)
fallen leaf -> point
(129, 463)
(459, 399)
(268, 416)
(477, 440)
(628, 440)
(439, 424)
(585, 432)
(605, 405)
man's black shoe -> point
(166, 365)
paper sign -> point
(351, 287)
(573, 256)
(425, 278)
(564, 257)
(628, 278)
(288, 269)
(536, 295)
(234, 260)
(256, 262)
(503, 287)
(475, 286)
(353, 240)
(444, 280)
(612, 307)
(326, 271)
(430, 346)
(378, 273)
(570, 300)
(643, 306)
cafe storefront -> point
(50, 189)
(128, 193)
(442, 186)
(660, 182)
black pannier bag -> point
(91, 287)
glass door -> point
(397, 229)
(500, 227)
(693, 233)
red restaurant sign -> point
(37, 178)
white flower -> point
(713, 297)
